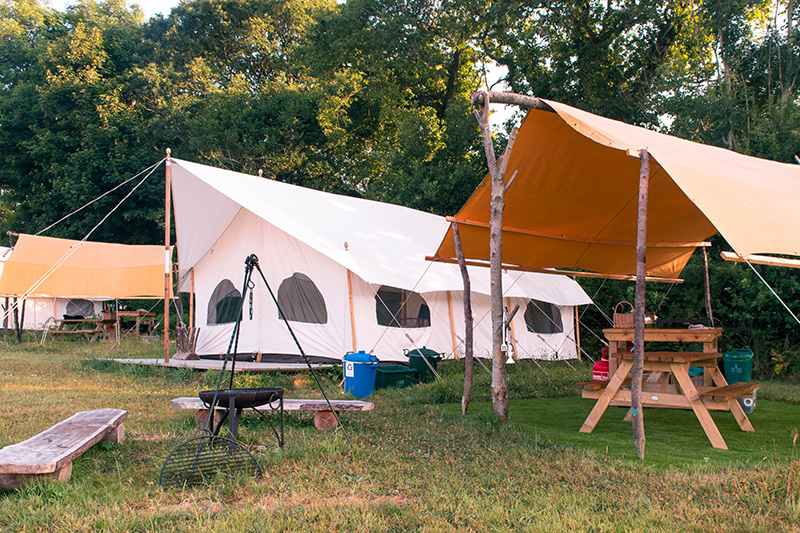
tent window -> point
(543, 317)
(301, 301)
(80, 307)
(225, 303)
(397, 308)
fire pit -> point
(236, 400)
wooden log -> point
(639, 305)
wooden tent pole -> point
(638, 316)
(709, 314)
(452, 324)
(469, 361)
(352, 308)
(191, 304)
(578, 333)
(167, 254)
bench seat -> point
(728, 392)
(50, 453)
(324, 418)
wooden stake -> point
(469, 361)
(167, 254)
(638, 317)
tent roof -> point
(573, 202)
(94, 270)
(383, 244)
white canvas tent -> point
(41, 310)
(350, 275)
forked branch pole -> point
(497, 174)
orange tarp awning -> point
(572, 199)
(62, 268)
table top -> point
(665, 334)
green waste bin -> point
(416, 360)
(395, 376)
(738, 365)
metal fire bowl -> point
(244, 398)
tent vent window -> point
(225, 303)
(301, 301)
(543, 317)
(397, 308)
(80, 307)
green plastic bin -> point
(416, 360)
(395, 376)
(738, 365)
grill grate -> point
(201, 459)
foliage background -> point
(371, 98)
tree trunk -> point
(497, 175)
(469, 361)
(638, 317)
(17, 331)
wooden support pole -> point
(469, 360)
(639, 305)
(709, 314)
(578, 334)
(352, 309)
(452, 324)
(191, 305)
(167, 253)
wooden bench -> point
(324, 419)
(728, 392)
(50, 453)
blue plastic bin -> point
(359, 373)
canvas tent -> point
(40, 311)
(350, 275)
(61, 276)
(573, 199)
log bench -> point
(49, 454)
(324, 418)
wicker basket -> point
(621, 319)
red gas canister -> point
(600, 370)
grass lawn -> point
(674, 437)
(415, 463)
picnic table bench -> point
(50, 453)
(324, 418)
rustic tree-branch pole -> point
(638, 317)
(709, 313)
(469, 361)
(497, 176)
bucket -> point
(748, 404)
(359, 373)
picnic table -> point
(142, 320)
(88, 328)
(667, 384)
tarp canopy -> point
(572, 199)
(63, 268)
(383, 244)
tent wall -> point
(281, 256)
(40, 312)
